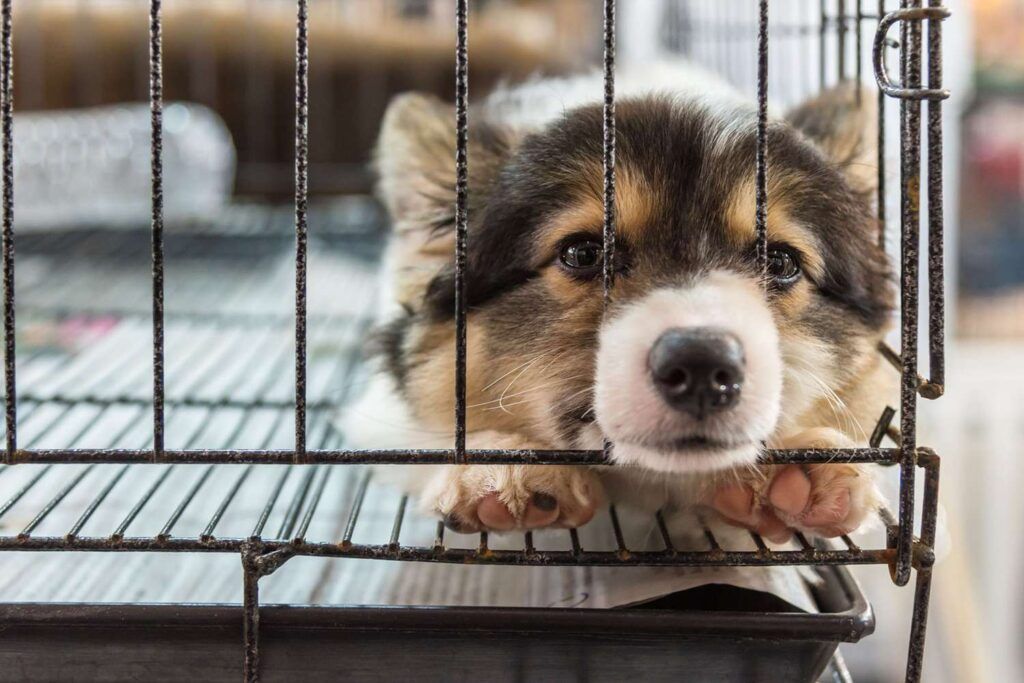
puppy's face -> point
(697, 359)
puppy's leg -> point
(473, 498)
(825, 500)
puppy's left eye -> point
(783, 265)
(583, 256)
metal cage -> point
(310, 462)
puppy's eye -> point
(582, 255)
(783, 265)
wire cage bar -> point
(309, 465)
(156, 97)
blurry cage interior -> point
(178, 328)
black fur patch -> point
(693, 159)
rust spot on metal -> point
(913, 190)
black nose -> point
(698, 370)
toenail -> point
(791, 491)
(545, 501)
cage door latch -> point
(882, 75)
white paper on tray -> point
(215, 578)
(417, 583)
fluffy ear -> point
(842, 121)
(415, 161)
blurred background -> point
(82, 187)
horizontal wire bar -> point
(418, 456)
(576, 556)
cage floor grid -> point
(84, 382)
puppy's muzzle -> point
(698, 370)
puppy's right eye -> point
(582, 256)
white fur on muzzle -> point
(645, 429)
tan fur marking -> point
(636, 205)
(740, 220)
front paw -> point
(822, 500)
(472, 498)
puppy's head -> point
(697, 359)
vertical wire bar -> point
(190, 494)
(207, 532)
(461, 223)
(439, 537)
(294, 509)
(574, 539)
(357, 507)
(250, 616)
(299, 535)
(802, 540)
(881, 147)
(923, 582)
(608, 161)
(13, 500)
(301, 226)
(54, 502)
(156, 104)
(858, 47)
(141, 503)
(878, 433)
(762, 548)
(96, 502)
(663, 530)
(275, 493)
(936, 266)
(396, 527)
(620, 540)
(910, 172)
(608, 149)
(761, 179)
(822, 28)
(7, 114)
(709, 536)
(841, 39)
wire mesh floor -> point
(85, 343)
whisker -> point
(526, 363)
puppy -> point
(696, 364)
